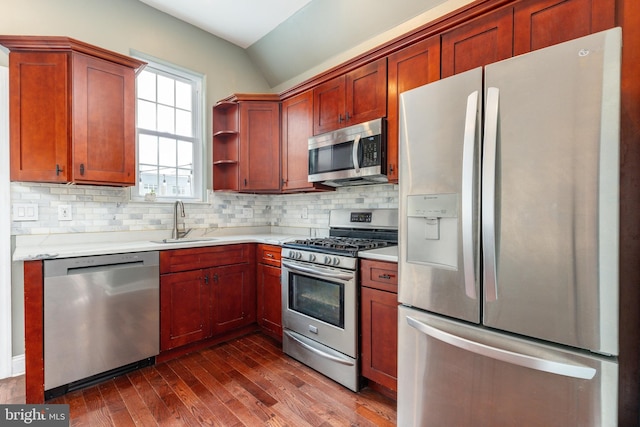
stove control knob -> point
(336, 261)
(298, 255)
(327, 260)
(312, 257)
(292, 254)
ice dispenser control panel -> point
(432, 229)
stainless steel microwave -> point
(353, 155)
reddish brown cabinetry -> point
(408, 68)
(482, 41)
(526, 26)
(355, 97)
(204, 292)
(296, 128)
(542, 23)
(379, 322)
(72, 112)
(269, 290)
(246, 144)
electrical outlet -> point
(305, 213)
(247, 212)
(64, 213)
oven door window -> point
(321, 299)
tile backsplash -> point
(104, 209)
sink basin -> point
(186, 240)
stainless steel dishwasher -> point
(101, 318)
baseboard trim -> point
(17, 365)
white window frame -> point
(199, 105)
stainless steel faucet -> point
(176, 234)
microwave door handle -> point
(355, 154)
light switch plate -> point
(25, 212)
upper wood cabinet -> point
(408, 68)
(72, 112)
(520, 28)
(355, 97)
(479, 42)
(246, 144)
(542, 23)
(296, 128)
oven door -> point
(321, 303)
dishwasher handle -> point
(99, 263)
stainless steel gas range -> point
(320, 291)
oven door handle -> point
(317, 351)
(316, 271)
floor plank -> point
(244, 382)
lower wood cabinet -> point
(379, 322)
(269, 290)
(205, 292)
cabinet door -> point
(103, 122)
(380, 336)
(39, 116)
(297, 127)
(184, 308)
(259, 146)
(542, 23)
(408, 68)
(482, 41)
(234, 296)
(269, 300)
(329, 105)
(366, 93)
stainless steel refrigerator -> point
(508, 254)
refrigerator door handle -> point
(489, 194)
(468, 190)
(553, 367)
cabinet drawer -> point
(175, 260)
(269, 254)
(379, 275)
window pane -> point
(146, 115)
(148, 149)
(185, 154)
(168, 104)
(185, 180)
(148, 179)
(183, 95)
(184, 125)
(146, 85)
(167, 152)
(166, 119)
(165, 90)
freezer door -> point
(438, 255)
(550, 193)
(453, 374)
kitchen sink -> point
(186, 240)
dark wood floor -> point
(244, 382)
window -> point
(169, 130)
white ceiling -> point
(242, 22)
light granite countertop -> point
(85, 244)
(389, 253)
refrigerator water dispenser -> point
(432, 230)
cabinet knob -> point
(347, 116)
(339, 118)
(58, 170)
(81, 168)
